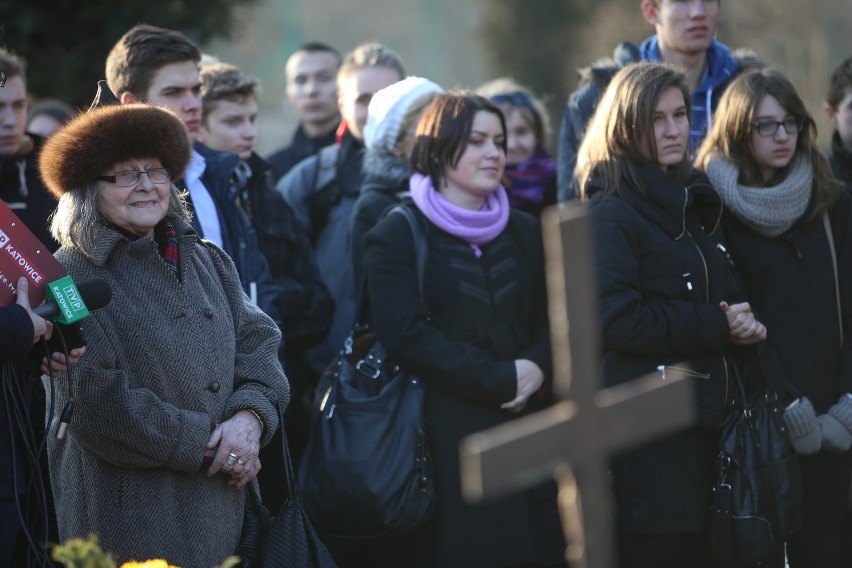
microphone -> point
(68, 303)
(95, 294)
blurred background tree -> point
(65, 42)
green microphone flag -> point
(67, 297)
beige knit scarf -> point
(771, 210)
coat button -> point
(208, 314)
(214, 386)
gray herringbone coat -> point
(164, 361)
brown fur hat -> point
(93, 142)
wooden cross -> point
(572, 439)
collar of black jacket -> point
(667, 202)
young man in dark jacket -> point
(160, 67)
(322, 189)
(21, 187)
(311, 73)
(229, 125)
(685, 32)
(838, 108)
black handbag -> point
(287, 540)
(366, 470)
(757, 498)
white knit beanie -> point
(389, 106)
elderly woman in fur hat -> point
(182, 381)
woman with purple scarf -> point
(530, 169)
(480, 343)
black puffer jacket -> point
(661, 276)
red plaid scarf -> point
(165, 234)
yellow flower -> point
(157, 563)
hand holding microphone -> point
(40, 325)
(68, 304)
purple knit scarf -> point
(476, 227)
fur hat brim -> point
(93, 142)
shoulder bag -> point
(286, 540)
(757, 498)
(366, 470)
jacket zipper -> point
(707, 300)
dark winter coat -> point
(789, 281)
(661, 277)
(322, 191)
(302, 146)
(483, 315)
(166, 359)
(304, 302)
(16, 339)
(840, 159)
(385, 181)
(238, 237)
(25, 194)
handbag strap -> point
(420, 247)
(421, 255)
(826, 222)
(289, 474)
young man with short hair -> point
(685, 32)
(21, 187)
(159, 66)
(322, 189)
(838, 109)
(311, 74)
(229, 124)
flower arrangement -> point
(85, 553)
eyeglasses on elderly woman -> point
(128, 178)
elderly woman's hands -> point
(58, 362)
(240, 436)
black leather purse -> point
(366, 470)
(286, 540)
(758, 495)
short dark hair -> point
(13, 65)
(841, 80)
(140, 53)
(319, 47)
(444, 131)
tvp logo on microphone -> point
(67, 297)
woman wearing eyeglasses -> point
(530, 169)
(182, 383)
(789, 231)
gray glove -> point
(802, 426)
(836, 426)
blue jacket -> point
(238, 236)
(720, 67)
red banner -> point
(21, 254)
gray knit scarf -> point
(769, 211)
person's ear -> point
(128, 97)
(830, 113)
(650, 12)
